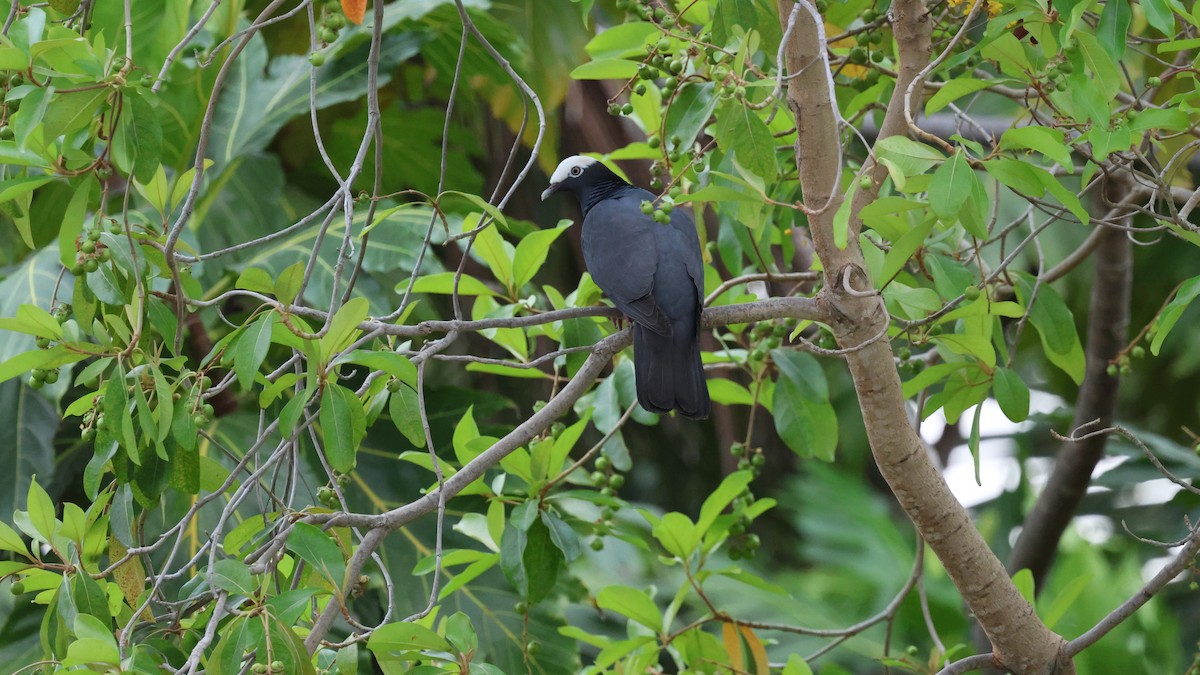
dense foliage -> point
(297, 375)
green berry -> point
(88, 246)
(51, 376)
(666, 207)
(521, 607)
(904, 353)
(1126, 371)
(93, 235)
(753, 541)
(607, 491)
(599, 478)
(737, 449)
(597, 544)
(199, 420)
(1153, 81)
(602, 463)
(91, 265)
(6, 133)
(42, 342)
(17, 588)
(557, 428)
(277, 666)
(393, 385)
(1112, 370)
(317, 59)
(627, 109)
(335, 21)
(971, 293)
(647, 207)
(654, 142)
(1138, 352)
(640, 89)
(328, 35)
(670, 84)
(758, 460)
(664, 45)
(35, 383)
(865, 183)
(616, 481)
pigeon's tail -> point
(668, 371)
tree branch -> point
(1020, 640)
(1108, 323)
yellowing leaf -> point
(355, 10)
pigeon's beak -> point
(550, 190)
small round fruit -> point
(972, 293)
(640, 89)
(51, 376)
(599, 478)
(521, 607)
(328, 35)
(1112, 370)
(627, 109)
(317, 59)
(597, 544)
(42, 342)
(1153, 81)
(616, 481)
(393, 385)
(664, 45)
(654, 142)
(647, 207)
(6, 133)
(602, 463)
(93, 235)
(335, 21)
(199, 420)
(88, 246)
(91, 265)
(1138, 352)
(17, 588)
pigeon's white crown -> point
(563, 171)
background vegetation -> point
(298, 374)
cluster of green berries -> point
(273, 668)
(92, 419)
(742, 544)
(749, 459)
(765, 336)
(331, 22)
(326, 494)
(647, 10)
(43, 376)
(608, 480)
(10, 106)
(1056, 74)
(908, 364)
(202, 413)
(1123, 365)
(660, 211)
(90, 253)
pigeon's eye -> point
(575, 171)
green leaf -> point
(1055, 325)
(631, 602)
(742, 132)
(234, 577)
(343, 425)
(41, 511)
(395, 639)
(1012, 394)
(622, 40)
(690, 111)
(251, 349)
(796, 665)
(908, 156)
(139, 143)
(15, 188)
(344, 327)
(530, 560)
(287, 284)
(531, 253)
(396, 365)
(726, 492)
(803, 415)
(605, 69)
(950, 188)
(1019, 176)
(1023, 580)
(1174, 309)
(11, 541)
(1159, 15)
(489, 245)
(461, 633)
(443, 283)
(33, 320)
(678, 534)
(903, 249)
(562, 535)
(406, 415)
(953, 90)
(1065, 599)
(154, 188)
(319, 551)
(1113, 27)
(1049, 142)
(72, 111)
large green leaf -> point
(803, 415)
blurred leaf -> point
(632, 603)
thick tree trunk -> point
(1021, 642)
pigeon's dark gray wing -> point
(620, 248)
(668, 368)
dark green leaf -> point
(234, 577)
(318, 550)
(804, 417)
(1011, 393)
(251, 348)
(343, 425)
(742, 132)
(403, 408)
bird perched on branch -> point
(653, 272)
